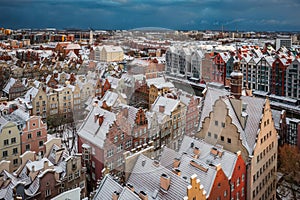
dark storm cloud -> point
(174, 14)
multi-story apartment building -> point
(108, 53)
(243, 123)
(14, 88)
(52, 101)
(10, 141)
(192, 112)
(36, 101)
(285, 41)
(101, 143)
(197, 58)
(185, 62)
(157, 86)
(34, 133)
(65, 101)
(278, 76)
(292, 81)
(173, 117)
(292, 136)
(77, 104)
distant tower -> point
(91, 37)
(236, 82)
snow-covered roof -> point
(92, 131)
(169, 105)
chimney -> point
(196, 151)
(143, 195)
(32, 168)
(161, 108)
(46, 165)
(96, 116)
(177, 171)
(176, 162)
(130, 187)
(115, 195)
(165, 182)
(101, 119)
(236, 82)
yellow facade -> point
(10, 147)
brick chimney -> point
(165, 182)
(176, 162)
(161, 108)
(115, 195)
(196, 151)
(46, 165)
(177, 171)
(236, 82)
(143, 195)
(130, 187)
(100, 120)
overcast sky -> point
(256, 15)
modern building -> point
(285, 41)
(292, 136)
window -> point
(6, 142)
(209, 134)
(122, 136)
(93, 176)
(29, 136)
(4, 154)
(216, 136)
(38, 134)
(41, 143)
(110, 153)
(13, 140)
(238, 182)
(222, 138)
(223, 124)
(120, 147)
(70, 177)
(47, 192)
(216, 123)
(237, 196)
(225, 193)
(229, 140)
(243, 191)
(82, 184)
(232, 186)
(15, 161)
(243, 177)
(15, 150)
(120, 161)
(116, 138)
(27, 147)
(77, 174)
(128, 143)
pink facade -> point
(34, 135)
(192, 116)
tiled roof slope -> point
(107, 187)
(187, 170)
(146, 177)
(227, 160)
(92, 131)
